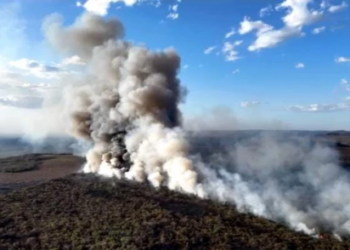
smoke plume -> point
(126, 106)
(285, 177)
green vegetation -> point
(85, 212)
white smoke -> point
(286, 178)
(126, 105)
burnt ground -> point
(85, 212)
(19, 171)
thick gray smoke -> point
(126, 106)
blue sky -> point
(285, 60)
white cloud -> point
(298, 13)
(210, 49)
(316, 108)
(9, 77)
(100, 7)
(11, 80)
(25, 82)
(265, 11)
(8, 98)
(236, 71)
(74, 60)
(38, 87)
(266, 35)
(250, 104)
(273, 37)
(247, 26)
(36, 69)
(28, 67)
(342, 59)
(174, 7)
(345, 84)
(336, 8)
(15, 92)
(300, 66)
(21, 101)
(230, 33)
(297, 16)
(174, 14)
(229, 50)
(323, 4)
(186, 66)
(318, 30)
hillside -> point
(85, 212)
(53, 208)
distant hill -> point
(15, 146)
(210, 142)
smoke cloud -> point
(223, 118)
(285, 177)
(126, 106)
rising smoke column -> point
(126, 104)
